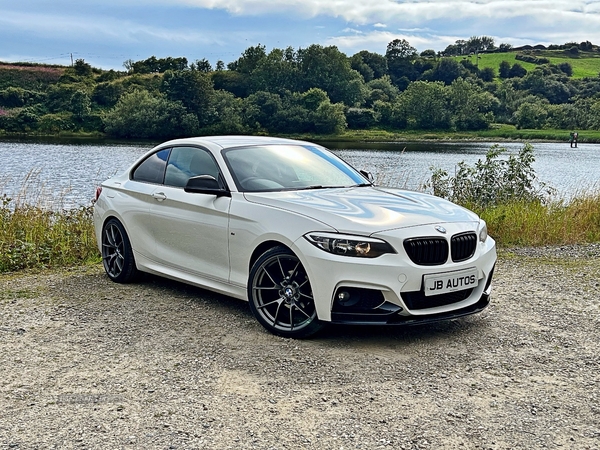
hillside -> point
(585, 64)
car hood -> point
(366, 209)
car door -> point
(191, 229)
(136, 200)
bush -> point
(492, 182)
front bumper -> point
(388, 290)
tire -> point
(117, 254)
(280, 295)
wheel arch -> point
(262, 248)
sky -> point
(109, 32)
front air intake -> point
(463, 246)
(431, 251)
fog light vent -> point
(349, 299)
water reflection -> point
(69, 170)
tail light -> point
(97, 195)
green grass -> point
(37, 236)
(535, 224)
(497, 132)
(586, 64)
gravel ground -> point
(86, 363)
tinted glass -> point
(187, 162)
(152, 169)
(288, 167)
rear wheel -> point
(280, 295)
(117, 254)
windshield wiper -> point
(314, 186)
(320, 186)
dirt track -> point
(85, 363)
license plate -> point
(442, 283)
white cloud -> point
(378, 11)
(84, 28)
(380, 25)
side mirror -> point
(206, 184)
(367, 175)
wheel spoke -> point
(279, 300)
(310, 297)
(277, 313)
(281, 267)
(302, 311)
(270, 277)
(265, 288)
(291, 317)
(294, 271)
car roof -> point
(232, 141)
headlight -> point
(483, 233)
(348, 245)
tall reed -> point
(36, 232)
(556, 222)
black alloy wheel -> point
(117, 255)
(280, 295)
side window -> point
(187, 162)
(152, 170)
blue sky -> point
(107, 33)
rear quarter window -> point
(152, 169)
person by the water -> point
(573, 138)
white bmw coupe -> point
(296, 231)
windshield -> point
(288, 167)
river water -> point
(66, 173)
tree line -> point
(317, 89)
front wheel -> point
(280, 295)
(117, 254)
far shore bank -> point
(499, 133)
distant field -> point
(587, 64)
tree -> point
(400, 56)
(532, 114)
(231, 81)
(192, 88)
(81, 105)
(382, 89)
(277, 72)
(566, 68)
(447, 70)
(249, 60)
(504, 70)
(487, 74)
(227, 115)
(361, 67)
(262, 110)
(329, 69)
(202, 65)
(329, 118)
(480, 43)
(140, 114)
(400, 49)
(517, 71)
(424, 106)
(82, 68)
(376, 63)
(470, 105)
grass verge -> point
(557, 222)
(35, 236)
(497, 132)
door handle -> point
(160, 196)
